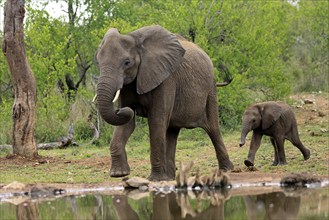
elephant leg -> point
(213, 131)
(279, 141)
(294, 139)
(224, 162)
(158, 149)
(119, 165)
(172, 135)
(254, 146)
(162, 99)
(276, 153)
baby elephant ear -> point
(271, 112)
(161, 54)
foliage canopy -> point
(271, 48)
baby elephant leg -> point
(294, 139)
(276, 153)
(281, 156)
(254, 146)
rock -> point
(136, 182)
(143, 188)
(37, 192)
(315, 134)
(137, 194)
(321, 114)
(299, 179)
(308, 101)
(15, 185)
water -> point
(236, 203)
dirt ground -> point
(309, 108)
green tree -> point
(310, 49)
(267, 46)
(63, 49)
(249, 37)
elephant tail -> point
(227, 76)
(222, 84)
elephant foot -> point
(279, 163)
(282, 163)
(171, 175)
(226, 166)
(307, 154)
(248, 163)
(119, 170)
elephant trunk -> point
(245, 131)
(106, 93)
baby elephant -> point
(274, 119)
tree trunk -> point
(24, 107)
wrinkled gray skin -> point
(162, 77)
(273, 119)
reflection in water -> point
(272, 206)
(27, 211)
(171, 206)
(180, 205)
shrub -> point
(82, 131)
(6, 122)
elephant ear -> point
(161, 54)
(271, 112)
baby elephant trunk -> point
(244, 133)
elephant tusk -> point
(94, 99)
(117, 94)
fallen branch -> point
(62, 143)
(49, 146)
(6, 147)
(46, 146)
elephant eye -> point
(126, 62)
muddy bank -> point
(239, 184)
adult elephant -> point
(274, 119)
(165, 78)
